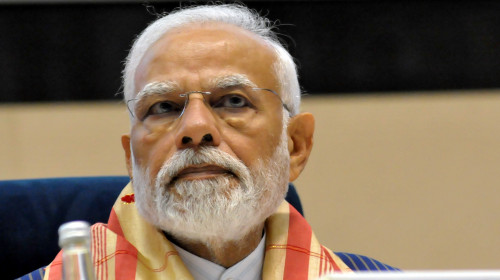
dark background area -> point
(69, 52)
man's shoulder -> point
(34, 275)
(363, 263)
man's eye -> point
(163, 107)
(233, 101)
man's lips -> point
(201, 172)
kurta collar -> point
(250, 268)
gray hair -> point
(238, 15)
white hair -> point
(234, 14)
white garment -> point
(249, 268)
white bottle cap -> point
(73, 231)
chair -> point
(32, 210)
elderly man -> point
(216, 135)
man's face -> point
(191, 59)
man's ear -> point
(128, 157)
(300, 142)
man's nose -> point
(197, 125)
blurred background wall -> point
(406, 161)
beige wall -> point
(411, 180)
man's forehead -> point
(190, 52)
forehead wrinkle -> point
(232, 80)
(157, 88)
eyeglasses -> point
(239, 104)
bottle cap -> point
(73, 231)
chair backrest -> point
(32, 210)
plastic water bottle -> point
(74, 240)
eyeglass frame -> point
(186, 94)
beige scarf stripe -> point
(315, 263)
(156, 255)
(274, 260)
(104, 251)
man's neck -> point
(223, 252)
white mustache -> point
(202, 156)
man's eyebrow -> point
(232, 80)
(156, 88)
(164, 87)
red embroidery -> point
(129, 198)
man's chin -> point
(209, 231)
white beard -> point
(226, 207)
